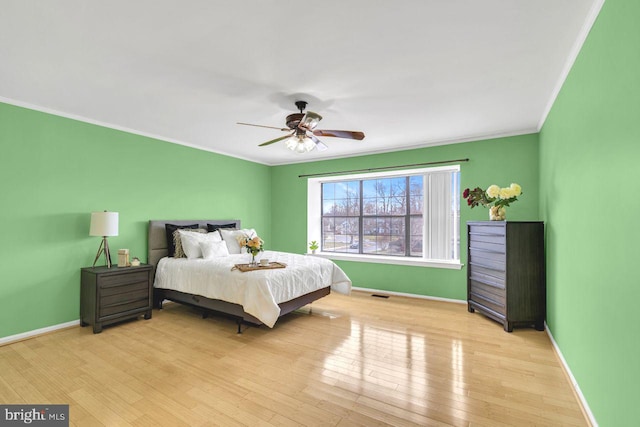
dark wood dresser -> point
(109, 295)
(506, 272)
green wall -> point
(55, 171)
(500, 161)
(589, 150)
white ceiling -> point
(408, 73)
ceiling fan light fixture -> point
(308, 144)
(300, 144)
(310, 121)
(291, 143)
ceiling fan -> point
(302, 136)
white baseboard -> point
(402, 294)
(30, 334)
(574, 383)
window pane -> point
(369, 188)
(353, 207)
(353, 244)
(397, 227)
(353, 188)
(369, 206)
(369, 226)
(328, 190)
(416, 246)
(328, 207)
(396, 246)
(416, 194)
(416, 237)
(397, 186)
(328, 236)
(382, 206)
(397, 205)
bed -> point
(255, 297)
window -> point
(403, 217)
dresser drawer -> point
(487, 238)
(488, 228)
(488, 275)
(489, 259)
(487, 290)
(107, 281)
(492, 304)
(488, 246)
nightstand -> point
(109, 295)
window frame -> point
(314, 219)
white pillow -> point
(231, 238)
(191, 242)
(213, 249)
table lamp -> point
(104, 224)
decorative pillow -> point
(213, 249)
(170, 229)
(231, 238)
(177, 241)
(214, 227)
(191, 242)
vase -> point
(253, 262)
(497, 213)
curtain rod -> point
(382, 168)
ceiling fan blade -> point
(275, 140)
(320, 146)
(310, 121)
(263, 126)
(349, 134)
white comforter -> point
(258, 292)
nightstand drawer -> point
(123, 308)
(122, 289)
(108, 281)
(119, 298)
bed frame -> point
(157, 249)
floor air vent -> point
(380, 296)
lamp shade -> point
(104, 224)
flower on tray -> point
(252, 244)
(493, 196)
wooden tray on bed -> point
(248, 267)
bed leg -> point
(157, 302)
(205, 314)
(239, 322)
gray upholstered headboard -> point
(158, 235)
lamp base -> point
(104, 248)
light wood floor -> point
(355, 360)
